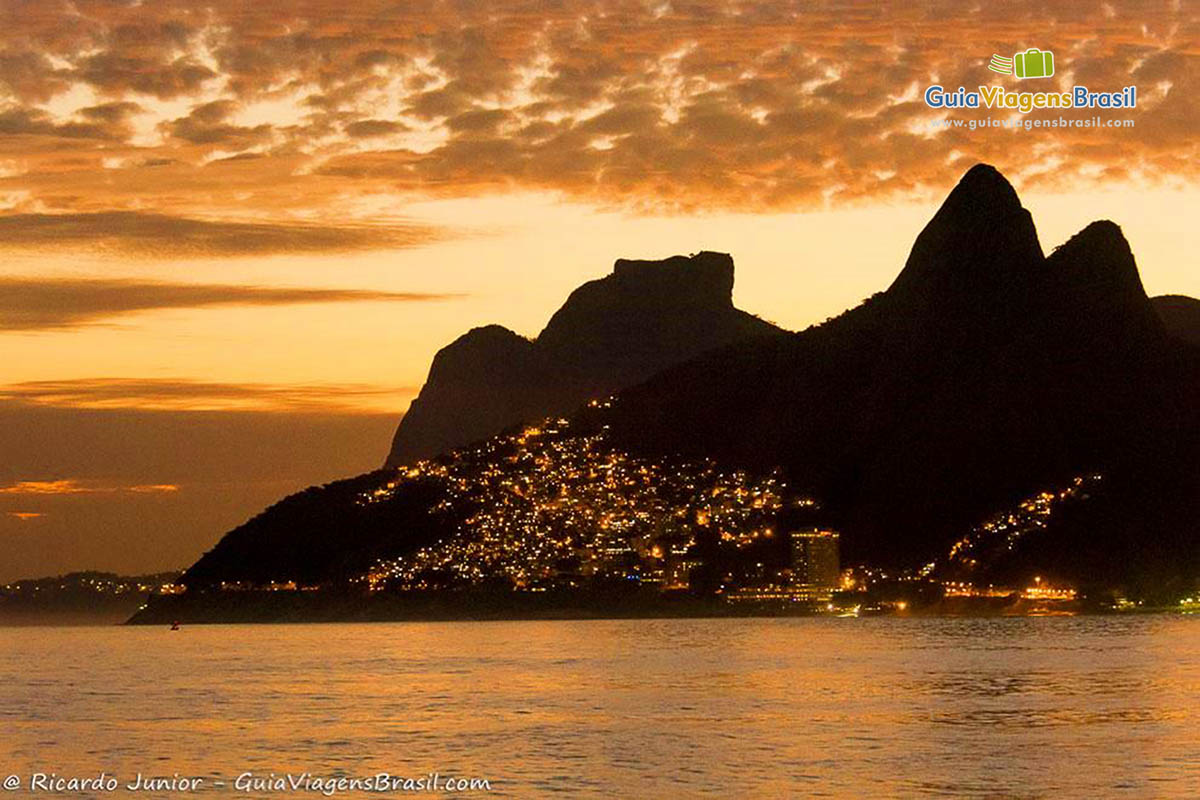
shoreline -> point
(218, 608)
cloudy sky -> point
(233, 234)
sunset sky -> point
(234, 234)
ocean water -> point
(1063, 707)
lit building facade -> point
(816, 563)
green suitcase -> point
(1034, 63)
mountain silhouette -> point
(1180, 315)
(978, 254)
(610, 334)
(986, 373)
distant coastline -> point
(78, 598)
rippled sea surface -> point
(1079, 707)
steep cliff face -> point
(1093, 287)
(977, 257)
(610, 334)
(478, 384)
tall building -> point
(816, 566)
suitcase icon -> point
(1034, 63)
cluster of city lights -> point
(94, 583)
(1001, 533)
(548, 505)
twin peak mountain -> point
(986, 373)
(976, 271)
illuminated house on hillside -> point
(816, 566)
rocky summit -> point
(610, 334)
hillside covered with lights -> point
(995, 414)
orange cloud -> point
(160, 235)
(43, 304)
(71, 487)
(710, 104)
(183, 395)
(25, 516)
